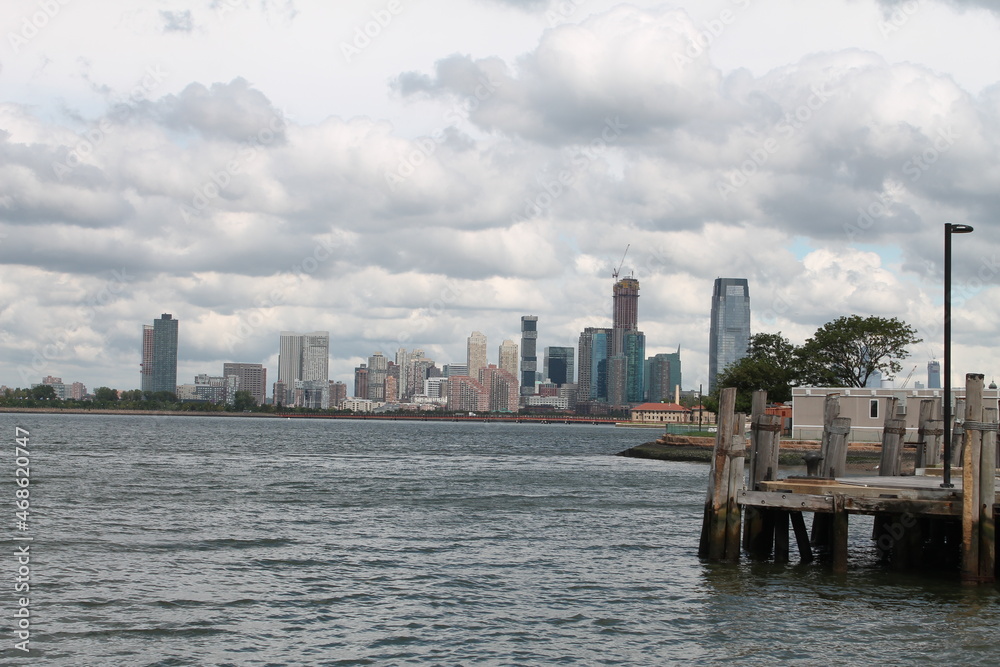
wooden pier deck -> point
(918, 523)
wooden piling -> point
(720, 532)
(893, 434)
(971, 454)
(764, 447)
(987, 494)
(929, 434)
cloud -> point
(177, 21)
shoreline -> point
(861, 457)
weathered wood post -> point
(957, 433)
(758, 529)
(987, 495)
(893, 434)
(831, 410)
(929, 434)
(972, 445)
(720, 531)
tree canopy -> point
(843, 353)
(849, 350)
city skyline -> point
(465, 163)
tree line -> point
(847, 352)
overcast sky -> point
(404, 172)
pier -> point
(918, 521)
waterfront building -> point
(502, 389)
(559, 365)
(507, 357)
(146, 365)
(455, 369)
(594, 348)
(663, 376)
(338, 394)
(529, 358)
(378, 369)
(403, 368)
(361, 381)
(475, 353)
(302, 357)
(466, 394)
(729, 334)
(159, 355)
(252, 378)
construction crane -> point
(908, 376)
(614, 274)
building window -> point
(873, 408)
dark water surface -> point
(241, 541)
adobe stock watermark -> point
(787, 128)
(426, 147)
(915, 167)
(712, 29)
(93, 138)
(365, 35)
(565, 179)
(57, 341)
(33, 24)
(220, 179)
(899, 17)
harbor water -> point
(255, 541)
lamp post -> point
(949, 229)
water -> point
(241, 541)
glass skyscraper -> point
(730, 329)
(529, 356)
(161, 360)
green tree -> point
(244, 400)
(847, 351)
(44, 392)
(105, 394)
(772, 364)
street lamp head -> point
(958, 229)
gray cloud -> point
(177, 21)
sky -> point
(402, 173)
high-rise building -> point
(529, 358)
(467, 394)
(146, 365)
(559, 365)
(507, 357)
(338, 393)
(476, 353)
(934, 374)
(378, 368)
(304, 357)
(729, 334)
(252, 378)
(625, 310)
(361, 381)
(594, 349)
(403, 381)
(162, 359)
(501, 389)
(316, 356)
(663, 376)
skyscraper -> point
(529, 358)
(303, 357)
(159, 355)
(252, 378)
(377, 372)
(729, 334)
(559, 366)
(595, 344)
(476, 353)
(625, 310)
(146, 366)
(663, 375)
(507, 357)
(934, 374)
